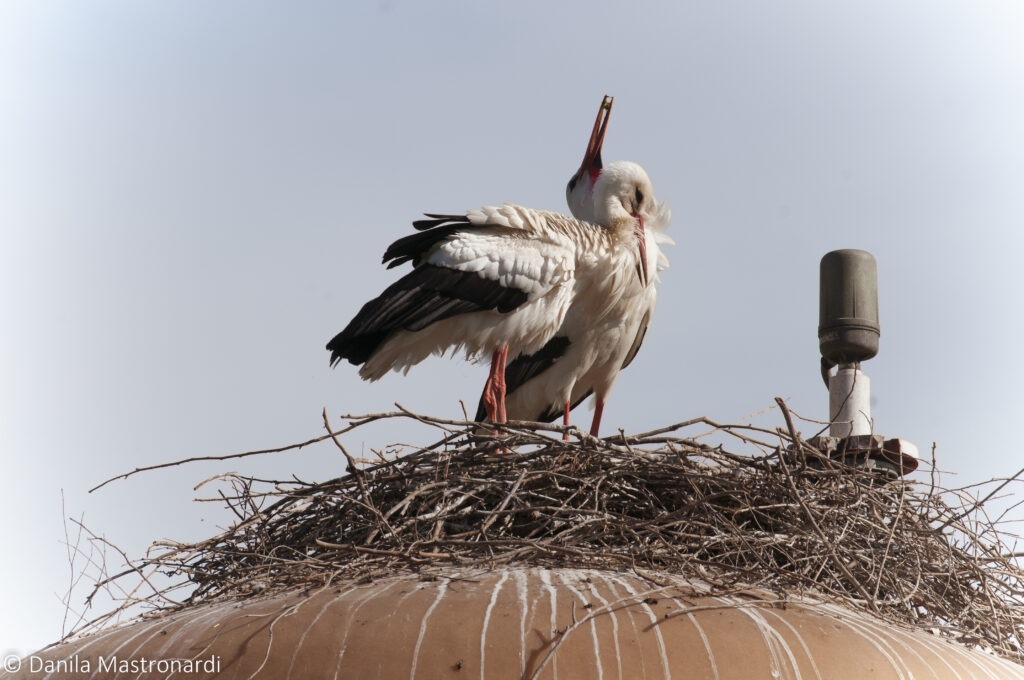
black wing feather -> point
(411, 248)
(438, 219)
(427, 294)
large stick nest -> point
(779, 516)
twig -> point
(198, 459)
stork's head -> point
(624, 200)
(579, 193)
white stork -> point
(496, 281)
(605, 325)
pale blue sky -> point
(194, 198)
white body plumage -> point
(606, 323)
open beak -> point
(641, 243)
(592, 159)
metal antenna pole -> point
(848, 332)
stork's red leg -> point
(494, 389)
(501, 357)
(565, 421)
(596, 424)
(490, 403)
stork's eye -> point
(639, 197)
(572, 182)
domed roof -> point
(523, 623)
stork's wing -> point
(492, 259)
(426, 294)
(638, 340)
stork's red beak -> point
(592, 159)
(641, 244)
